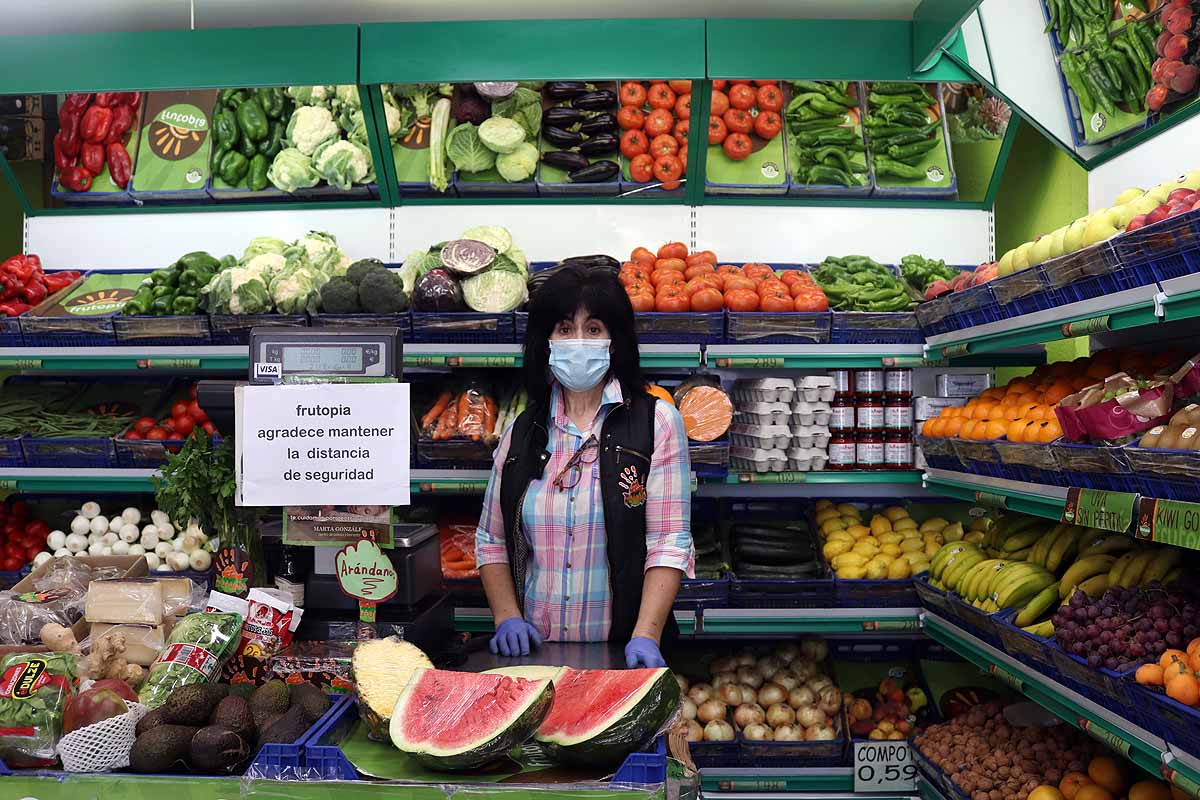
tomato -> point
(797, 288)
(707, 300)
(630, 118)
(680, 87)
(667, 169)
(702, 282)
(642, 301)
(743, 97)
(633, 276)
(702, 257)
(633, 94)
(683, 106)
(811, 302)
(681, 132)
(179, 409)
(773, 286)
(157, 434)
(209, 428)
(196, 412)
(720, 103)
(758, 272)
(641, 168)
(661, 96)
(720, 85)
(664, 145)
(195, 388)
(12, 564)
(766, 83)
(659, 121)
(776, 303)
(738, 121)
(144, 424)
(167, 424)
(729, 269)
(701, 269)
(633, 143)
(134, 435)
(741, 300)
(768, 124)
(769, 98)
(717, 131)
(643, 257)
(733, 283)
(682, 156)
(661, 277)
(184, 426)
(672, 303)
(37, 528)
(672, 263)
(792, 276)
(19, 509)
(737, 146)
(739, 82)
(673, 250)
(641, 286)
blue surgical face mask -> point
(579, 364)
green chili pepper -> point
(801, 100)
(827, 107)
(822, 174)
(838, 155)
(888, 166)
(915, 149)
(892, 87)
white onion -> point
(801, 696)
(56, 540)
(81, 525)
(745, 659)
(758, 733)
(95, 549)
(809, 716)
(166, 530)
(818, 683)
(109, 539)
(683, 683)
(115, 524)
(188, 543)
(131, 516)
(748, 694)
(129, 533)
(730, 694)
(106, 550)
(136, 550)
(99, 525)
(41, 558)
(724, 664)
(769, 666)
(150, 537)
(76, 543)
(90, 510)
(199, 560)
(152, 561)
(722, 678)
(787, 653)
(120, 548)
(803, 670)
(785, 679)
(710, 710)
(771, 693)
(819, 733)
(780, 714)
(750, 677)
(687, 708)
(162, 549)
(700, 693)
(159, 518)
(789, 733)
(62, 552)
(814, 650)
(177, 561)
(748, 714)
(694, 732)
(829, 700)
(718, 731)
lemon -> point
(892, 550)
(905, 524)
(891, 538)
(931, 548)
(912, 545)
(851, 573)
(858, 531)
(833, 524)
(849, 510)
(834, 549)
(865, 550)
(899, 569)
(876, 571)
(880, 524)
(917, 567)
(826, 515)
(840, 536)
(895, 513)
(824, 504)
(848, 560)
(933, 524)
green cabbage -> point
(466, 150)
(501, 135)
(494, 236)
(292, 170)
(523, 106)
(519, 164)
(495, 292)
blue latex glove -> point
(513, 638)
(643, 652)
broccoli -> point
(382, 292)
(359, 269)
(340, 296)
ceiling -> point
(102, 16)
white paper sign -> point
(323, 444)
(884, 766)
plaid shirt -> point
(567, 594)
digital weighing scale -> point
(280, 355)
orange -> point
(982, 411)
(1057, 392)
(934, 427)
(1168, 656)
(927, 427)
(1081, 381)
(1071, 783)
(1043, 412)
(1020, 385)
(1045, 792)
(1093, 791)
(1033, 432)
(1016, 430)
(1050, 431)
(953, 426)
(993, 394)
(1149, 675)
(1027, 410)
(1183, 688)
(967, 429)
(1193, 646)
(995, 429)
(1109, 774)
(1150, 790)
(1032, 398)
(1193, 661)
(1174, 670)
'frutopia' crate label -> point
(100, 295)
(175, 142)
(1091, 508)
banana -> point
(1042, 549)
(1119, 566)
(939, 559)
(1174, 575)
(1014, 571)
(1083, 569)
(1020, 555)
(1106, 543)
(961, 563)
(1094, 586)
(1063, 548)
(1132, 576)
(1018, 594)
(1165, 559)
(1043, 629)
(982, 587)
(1041, 602)
(1023, 539)
(966, 583)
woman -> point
(585, 531)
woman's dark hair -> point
(602, 295)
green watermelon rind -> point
(514, 734)
(621, 736)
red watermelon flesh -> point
(586, 698)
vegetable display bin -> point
(1093, 272)
(1093, 467)
(1034, 463)
(402, 320)
(1166, 717)
(936, 316)
(977, 457)
(167, 331)
(974, 306)
(937, 166)
(462, 327)
(939, 452)
(84, 453)
(865, 327)
(792, 327)
(826, 753)
(489, 184)
(454, 454)
(1024, 292)
(1032, 651)
(222, 192)
(287, 762)
(696, 593)
(685, 327)
(148, 453)
(11, 454)
(234, 329)
(1170, 247)
(77, 316)
(802, 188)
(709, 459)
(781, 593)
(10, 332)
(552, 180)
(1109, 689)
(931, 597)
(974, 621)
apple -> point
(1197, 206)
(1178, 208)
(1100, 229)
(117, 685)
(1179, 194)
(1005, 266)
(90, 707)
(1021, 257)
(1157, 215)
(1129, 195)
(1073, 239)
(1040, 252)
(1137, 222)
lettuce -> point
(465, 149)
(519, 164)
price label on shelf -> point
(1085, 327)
(1169, 521)
(1091, 508)
(481, 361)
(20, 363)
(884, 766)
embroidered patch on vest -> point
(635, 490)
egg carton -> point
(816, 389)
(806, 413)
(806, 459)
(762, 413)
(766, 437)
(757, 459)
(764, 390)
(810, 436)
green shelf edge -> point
(935, 25)
(763, 626)
(1023, 502)
(781, 780)
(826, 477)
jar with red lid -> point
(897, 382)
(868, 450)
(897, 413)
(842, 449)
(869, 413)
(898, 450)
(841, 413)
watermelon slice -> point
(601, 715)
(453, 721)
(530, 672)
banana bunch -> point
(989, 584)
(891, 546)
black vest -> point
(626, 447)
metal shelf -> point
(1027, 498)
(759, 622)
(756, 782)
(824, 476)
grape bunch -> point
(1126, 626)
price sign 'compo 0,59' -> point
(884, 766)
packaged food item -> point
(143, 643)
(138, 602)
(929, 407)
(963, 384)
(34, 689)
(898, 450)
(266, 629)
(868, 414)
(326, 665)
(197, 648)
(868, 381)
(868, 450)
(897, 381)
(842, 449)
(897, 413)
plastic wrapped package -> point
(267, 628)
(458, 550)
(34, 689)
(460, 423)
(755, 413)
(755, 459)
(1134, 408)
(58, 595)
(764, 390)
(143, 643)
(197, 648)
(766, 437)
(326, 665)
(705, 407)
(137, 601)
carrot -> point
(454, 554)
(463, 565)
(435, 411)
(447, 423)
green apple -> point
(1005, 265)
(1021, 257)
(1143, 205)
(1040, 252)
(1129, 195)
(1056, 242)
(1100, 229)
(1190, 180)
(1073, 239)
(1161, 192)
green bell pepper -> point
(253, 120)
(139, 305)
(256, 178)
(226, 128)
(163, 277)
(198, 259)
(272, 101)
(162, 305)
(185, 304)
(271, 145)
(234, 167)
(232, 97)
(162, 291)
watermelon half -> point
(453, 721)
(601, 715)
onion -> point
(787, 653)
(801, 696)
(758, 733)
(745, 659)
(730, 694)
(810, 716)
(769, 666)
(718, 731)
(748, 714)
(829, 700)
(771, 693)
(687, 708)
(683, 683)
(724, 664)
(780, 714)
(819, 733)
(722, 678)
(694, 732)
(814, 649)
(710, 710)
(750, 677)
(803, 670)
(789, 733)
(818, 683)
(748, 694)
(785, 679)
(700, 693)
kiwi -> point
(1170, 437)
(1188, 440)
(1151, 437)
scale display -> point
(277, 354)
(337, 359)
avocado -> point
(234, 713)
(161, 748)
(151, 720)
(193, 704)
(287, 729)
(311, 699)
(271, 698)
(218, 749)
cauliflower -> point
(310, 127)
(263, 244)
(346, 95)
(265, 265)
(323, 252)
(395, 126)
(292, 170)
(237, 291)
(311, 95)
(297, 289)
(343, 163)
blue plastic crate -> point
(277, 761)
(1032, 651)
(1103, 686)
(685, 327)
(403, 321)
(1093, 272)
(10, 332)
(764, 593)
(716, 755)
(82, 453)
(234, 329)
(931, 597)
(887, 593)
(830, 753)
(936, 316)
(11, 454)
(467, 188)
(939, 452)
(864, 327)
(167, 331)
(462, 327)
(978, 623)
(1103, 465)
(1178, 724)
(1023, 292)
(1170, 247)
(758, 327)
(696, 592)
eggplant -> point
(561, 116)
(565, 90)
(601, 123)
(566, 160)
(599, 172)
(595, 101)
(560, 137)
(598, 261)
(600, 145)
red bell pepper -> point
(92, 157)
(95, 124)
(78, 101)
(61, 159)
(119, 165)
(57, 281)
(69, 127)
(107, 99)
(76, 179)
(34, 292)
(14, 308)
(122, 121)
(18, 266)
(135, 100)
(36, 263)
(9, 286)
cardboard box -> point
(175, 142)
